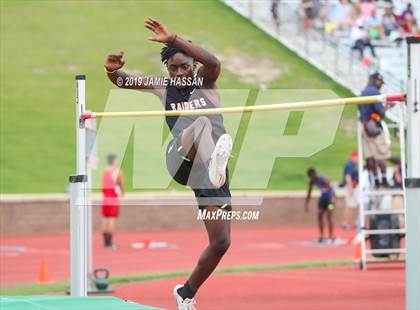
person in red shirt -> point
(112, 188)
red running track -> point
(20, 256)
(345, 288)
(332, 288)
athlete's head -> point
(312, 175)
(178, 63)
(111, 159)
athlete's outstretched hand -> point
(114, 62)
(162, 33)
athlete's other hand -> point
(162, 33)
(114, 62)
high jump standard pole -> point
(412, 181)
(78, 202)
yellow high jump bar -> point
(256, 108)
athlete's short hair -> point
(111, 158)
(311, 172)
(168, 51)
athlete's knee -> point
(220, 245)
(203, 122)
(320, 214)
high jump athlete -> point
(200, 149)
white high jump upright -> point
(412, 181)
(91, 157)
(78, 202)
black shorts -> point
(323, 203)
(196, 176)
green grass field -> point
(38, 289)
(44, 44)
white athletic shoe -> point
(183, 304)
(219, 160)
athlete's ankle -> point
(186, 291)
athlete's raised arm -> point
(113, 65)
(211, 65)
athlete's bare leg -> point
(108, 227)
(105, 225)
(111, 225)
(330, 224)
(219, 241)
(321, 223)
(197, 140)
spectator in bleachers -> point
(329, 17)
(338, 16)
(392, 29)
(397, 201)
(408, 11)
(389, 20)
(360, 39)
(366, 9)
(408, 21)
(275, 12)
(310, 12)
(375, 26)
(397, 181)
(344, 8)
(415, 30)
(354, 16)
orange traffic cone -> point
(358, 254)
(44, 276)
(146, 243)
